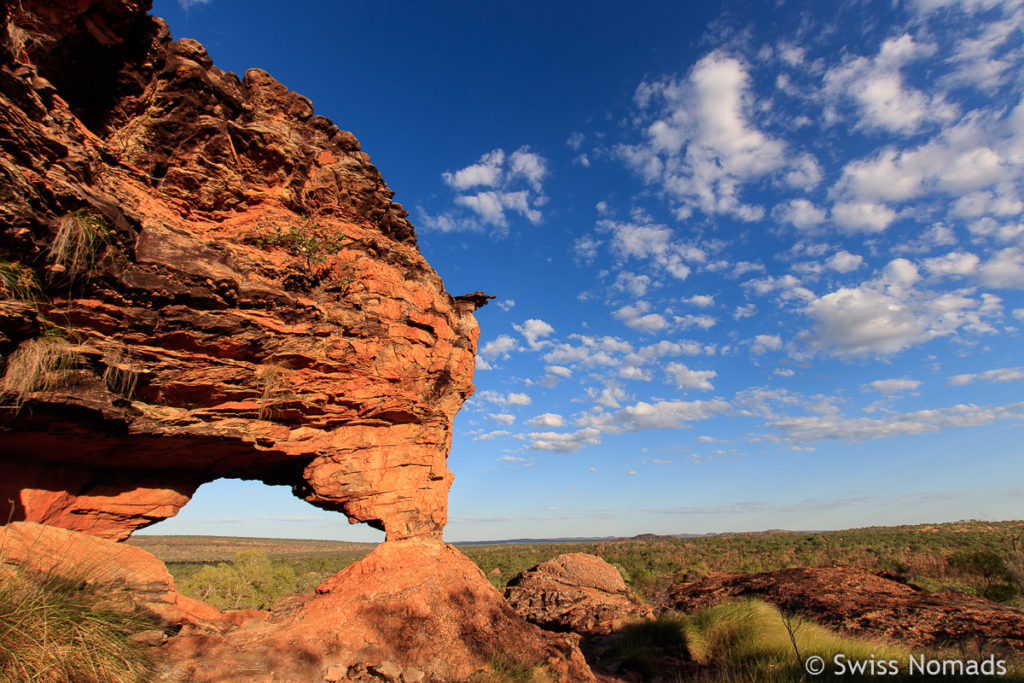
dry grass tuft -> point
(81, 237)
(41, 364)
(121, 374)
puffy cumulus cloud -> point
(788, 288)
(547, 420)
(487, 172)
(812, 428)
(563, 442)
(490, 436)
(862, 216)
(877, 86)
(700, 300)
(653, 243)
(609, 396)
(976, 162)
(889, 387)
(703, 321)
(509, 399)
(584, 248)
(763, 343)
(953, 263)
(1004, 270)
(502, 418)
(886, 315)
(685, 378)
(534, 330)
(637, 318)
(844, 262)
(801, 213)
(500, 347)
(644, 416)
(631, 283)
(496, 185)
(702, 144)
(997, 375)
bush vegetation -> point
(310, 240)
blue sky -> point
(755, 267)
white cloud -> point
(1004, 270)
(700, 300)
(878, 88)
(685, 378)
(705, 322)
(636, 317)
(186, 5)
(953, 263)
(844, 262)
(563, 442)
(506, 304)
(558, 370)
(547, 420)
(800, 213)
(997, 375)
(886, 315)
(654, 243)
(498, 184)
(704, 144)
(763, 343)
(533, 330)
(862, 216)
(502, 418)
(632, 283)
(808, 429)
(486, 172)
(502, 346)
(509, 399)
(888, 387)
(643, 416)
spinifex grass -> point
(41, 364)
(65, 631)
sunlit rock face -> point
(254, 306)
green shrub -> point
(309, 240)
(251, 580)
(64, 631)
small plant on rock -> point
(121, 375)
(17, 282)
(81, 238)
(310, 240)
(41, 364)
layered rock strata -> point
(201, 278)
(249, 303)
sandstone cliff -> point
(249, 302)
(201, 278)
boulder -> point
(575, 592)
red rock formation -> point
(575, 592)
(238, 297)
(863, 604)
(258, 308)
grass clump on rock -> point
(66, 631)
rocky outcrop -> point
(863, 604)
(125, 573)
(248, 301)
(409, 609)
(202, 278)
(575, 592)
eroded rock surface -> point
(256, 308)
(575, 592)
(863, 604)
(411, 608)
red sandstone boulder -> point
(411, 610)
(119, 569)
(575, 592)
